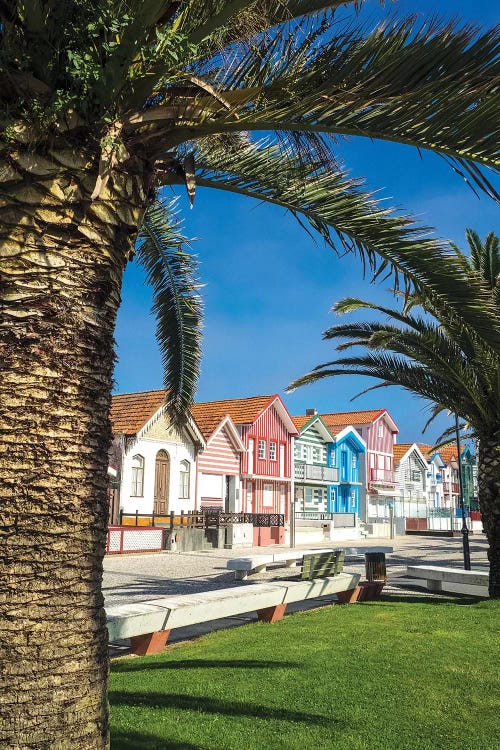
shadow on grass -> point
(132, 665)
(201, 703)
(433, 600)
(122, 739)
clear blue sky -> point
(269, 287)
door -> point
(282, 460)
(162, 483)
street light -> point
(465, 530)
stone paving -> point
(139, 577)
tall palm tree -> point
(103, 102)
(439, 356)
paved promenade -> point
(134, 578)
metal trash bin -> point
(375, 567)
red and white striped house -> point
(218, 465)
(266, 430)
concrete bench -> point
(148, 624)
(454, 580)
(245, 566)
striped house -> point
(378, 430)
(328, 462)
(266, 430)
(218, 465)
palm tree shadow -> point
(131, 665)
(132, 740)
(204, 704)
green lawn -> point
(384, 675)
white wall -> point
(148, 448)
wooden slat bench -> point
(245, 566)
(454, 580)
(321, 564)
(148, 624)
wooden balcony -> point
(310, 472)
(382, 476)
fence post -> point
(121, 516)
(171, 520)
(153, 518)
(136, 517)
(182, 519)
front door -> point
(162, 480)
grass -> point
(387, 675)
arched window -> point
(137, 488)
(184, 480)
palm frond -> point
(172, 273)
(348, 219)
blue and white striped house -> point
(328, 467)
(347, 455)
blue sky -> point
(270, 287)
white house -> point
(413, 483)
(155, 464)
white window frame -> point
(137, 481)
(184, 479)
(262, 449)
(267, 492)
(272, 451)
(380, 430)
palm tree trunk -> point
(62, 262)
(489, 504)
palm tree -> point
(102, 103)
(442, 358)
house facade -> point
(218, 483)
(266, 431)
(313, 471)
(348, 456)
(435, 475)
(378, 481)
(411, 468)
(328, 467)
(156, 471)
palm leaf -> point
(347, 218)
(177, 305)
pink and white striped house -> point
(218, 465)
(266, 430)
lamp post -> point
(465, 530)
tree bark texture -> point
(61, 263)
(488, 472)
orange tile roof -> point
(346, 418)
(209, 414)
(447, 453)
(399, 451)
(131, 411)
(427, 450)
(299, 422)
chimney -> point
(311, 412)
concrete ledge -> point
(164, 614)
(473, 582)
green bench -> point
(322, 564)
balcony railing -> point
(382, 476)
(316, 473)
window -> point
(184, 480)
(137, 488)
(334, 458)
(272, 451)
(354, 460)
(268, 496)
(316, 455)
(262, 448)
(380, 430)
